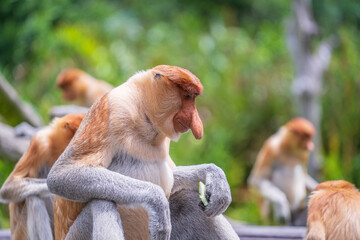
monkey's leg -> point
(106, 221)
(98, 220)
(38, 220)
(81, 229)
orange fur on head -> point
(334, 185)
(334, 211)
(301, 132)
(181, 77)
(72, 82)
(301, 126)
(68, 76)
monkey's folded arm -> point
(217, 187)
(84, 183)
(18, 189)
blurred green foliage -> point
(236, 47)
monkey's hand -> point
(159, 215)
(277, 197)
(217, 188)
(18, 189)
(282, 211)
(217, 191)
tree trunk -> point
(309, 70)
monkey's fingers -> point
(217, 191)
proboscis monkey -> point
(115, 169)
(280, 171)
(334, 212)
(80, 87)
(30, 202)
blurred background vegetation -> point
(236, 47)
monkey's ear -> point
(72, 126)
(73, 121)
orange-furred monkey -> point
(80, 87)
(115, 173)
(280, 171)
(334, 212)
(31, 203)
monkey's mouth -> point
(185, 128)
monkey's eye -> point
(158, 75)
(187, 96)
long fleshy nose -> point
(196, 125)
(310, 146)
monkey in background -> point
(334, 212)
(117, 165)
(280, 171)
(80, 87)
(30, 202)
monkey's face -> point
(68, 92)
(302, 132)
(177, 88)
(73, 84)
(188, 117)
(306, 142)
(303, 141)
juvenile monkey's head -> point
(174, 102)
(301, 132)
(51, 141)
(73, 83)
(64, 128)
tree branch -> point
(22, 110)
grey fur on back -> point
(189, 221)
